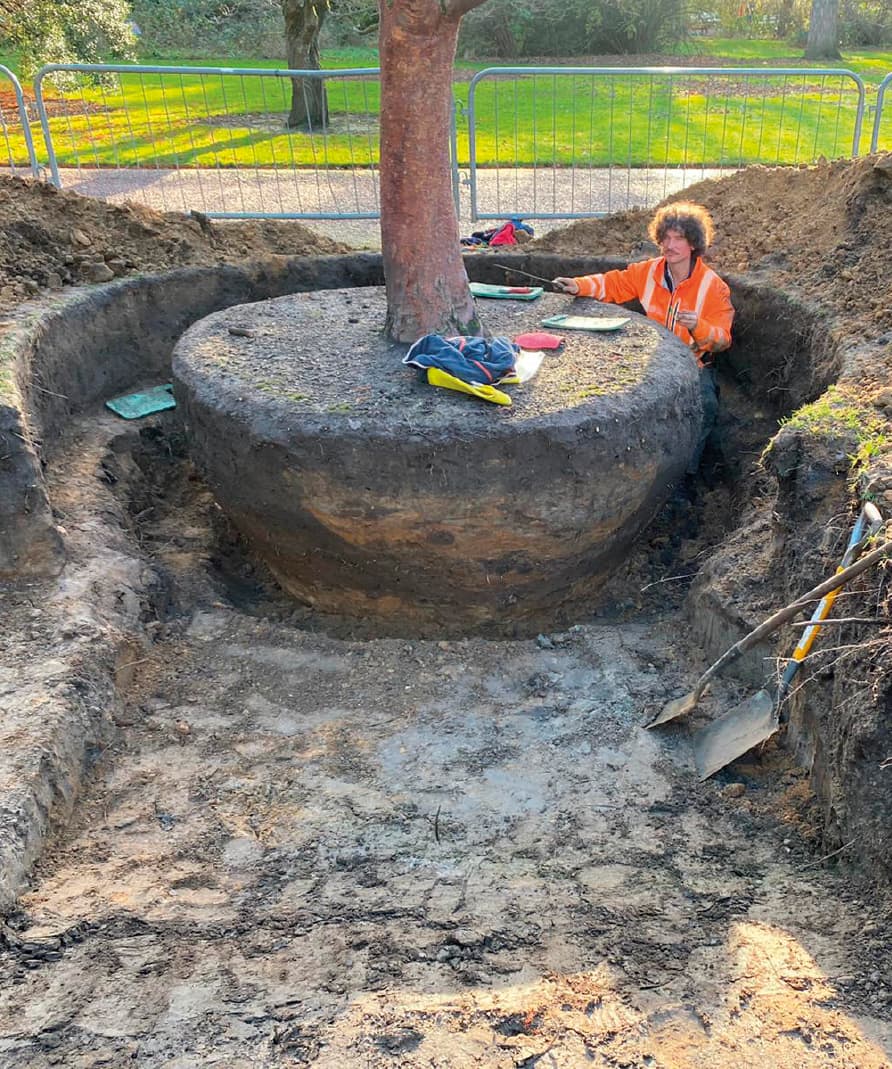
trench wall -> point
(76, 350)
(782, 357)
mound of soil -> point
(824, 231)
(51, 238)
(379, 500)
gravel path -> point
(529, 192)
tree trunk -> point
(303, 24)
(427, 286)
(823, 30)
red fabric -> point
(539, 339)
(504, 235)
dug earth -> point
(236, 832)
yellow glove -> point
(437, 377)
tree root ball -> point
(370, 493)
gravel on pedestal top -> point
(324, 353)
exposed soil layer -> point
(368, 492)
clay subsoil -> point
(299, 845)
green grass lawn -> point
(872, 64)
(225, 120)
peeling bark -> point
(427, 287)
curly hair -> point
(691, 220)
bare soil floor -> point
(304, 849)
(305, 846)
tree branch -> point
(791, 610)
(461, 7)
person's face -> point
(676, 248)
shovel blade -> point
(739, 730)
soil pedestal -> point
(369, 493)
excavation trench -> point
(117, 338)
(84, 348)
(74, 352)
(302, 838)
(521, 517)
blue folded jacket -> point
(481, 361)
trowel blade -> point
(739, 730)
(677, 707)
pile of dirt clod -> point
(824, 231)
(51, 238)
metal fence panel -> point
(16, 130)
(572, 142)
(176, 138)
(548, 142)
(880, 138)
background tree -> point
(513, 28)
(427, 287)
(67, 31)
(303, 24)
(823, 30)
(358, 17)
(865, 23)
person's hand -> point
(688, 319)
(566, 285)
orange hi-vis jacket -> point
(702, 292)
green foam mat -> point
(143, 403)
(568, 322)
(509, 293)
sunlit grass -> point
(229, 120)
(660, 120)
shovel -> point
(866, 526)
(755, 719)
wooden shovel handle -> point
(787, 613)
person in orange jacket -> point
(677, 290)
